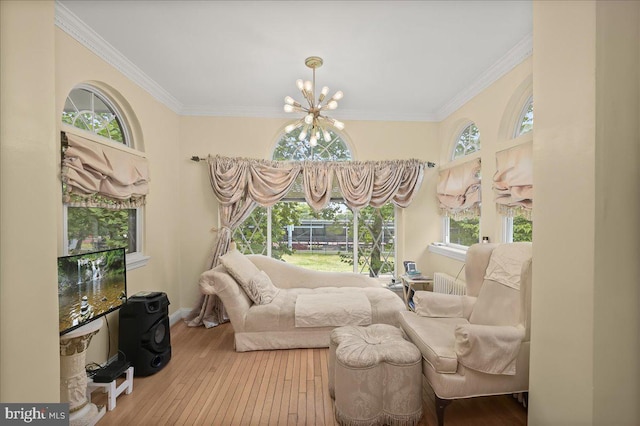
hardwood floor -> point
(208, 383)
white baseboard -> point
(178, 315)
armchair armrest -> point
(491, 349)
(440, 305)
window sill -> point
(136, 260)
(448, 251)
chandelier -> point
(314, 123)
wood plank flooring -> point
(208, 383)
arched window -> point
(463, 231)
(324, 240)
(95, 228)
(467, 143)
(87, 108)
(525, 119)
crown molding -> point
(510, 60)
(68, 22)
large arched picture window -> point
(327, 240)
(99, 119)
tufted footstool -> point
(375, 376)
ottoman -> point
(375, 376)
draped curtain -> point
(513, 181)
(96, 175)
(241, 184)
(458, 190)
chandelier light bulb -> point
(338, 95)
(324, 91)
(289, 100)
(308, 118)
(303, 133)
(339, 124)
(332, 105)
(290, 128)
(313, 141)
(300, 84)
(326, 135)
(308, 86)
(288, 108)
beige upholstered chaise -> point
(478, 344)
(273, 325)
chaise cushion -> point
(279, 315)
(260, 289)
(239, 266)
(255, 283)
(435, 337)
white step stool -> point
(111, 389)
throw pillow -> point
(239, 266)
(260, 289)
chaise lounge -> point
(296, 307)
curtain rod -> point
(197, 159)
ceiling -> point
(394, 60)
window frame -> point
(137, 258)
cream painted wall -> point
(160, 131)
(585, 321)
(29, 344)
(495, 111)
(256, 138)
(617, 247)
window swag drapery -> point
(458, 190)
(96, 175)
(241, 184)
(513, 181)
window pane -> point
(468, 142)
(526, 119)
(376, 241)
(87, 110)
(91, 229)
(522, 229)
(251, 236)
(465, 231)
(315, 240)
(289, 148)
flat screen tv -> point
(90, 285)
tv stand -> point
(73, 377)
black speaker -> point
(144, 336)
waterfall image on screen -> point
(90, 285)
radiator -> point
(445, 283)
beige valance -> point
(513, 180)
(458, 190)
(361, 183)
(96, 175)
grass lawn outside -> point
(318, 261)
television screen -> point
(90, 285)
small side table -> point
(411, 284)
(111, 389)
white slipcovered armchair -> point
(478, 344)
